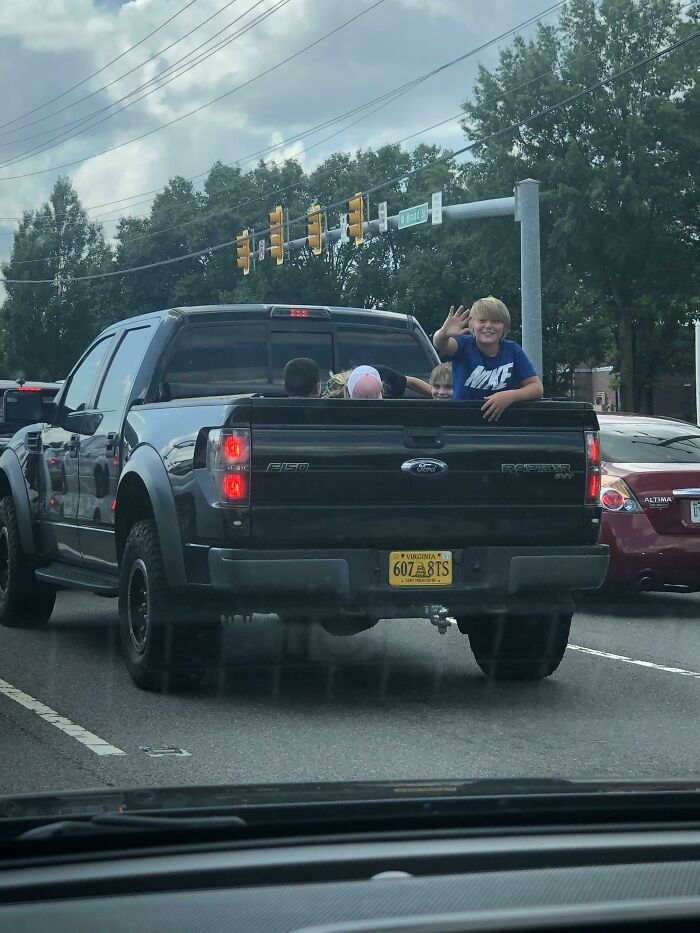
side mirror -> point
(80, 422)
(22, 407)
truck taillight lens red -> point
(228, 459)
(592, 468)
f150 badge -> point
(287, 467)
(425, 466)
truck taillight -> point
(592, 468)
(228, 459)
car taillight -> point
(592, 468)
(616, 496)
(228, 459)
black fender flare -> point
(147, 465)
(12, 469)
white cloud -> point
(47, 46)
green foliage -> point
(44, 328)
(620, 214)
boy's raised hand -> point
(456, 323)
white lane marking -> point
(89, 739)
(621, 657)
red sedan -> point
(650, 494)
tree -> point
(44, 328)
(620, 195)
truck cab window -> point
(77, 396)
(212, 359)
(288, 345)
(398, 349)
(123, 369)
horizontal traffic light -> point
(277, 234)
(243, 252)
(314, 229)
(356, 219)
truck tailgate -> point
(336, 473)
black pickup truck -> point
(170, 472)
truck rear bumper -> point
(482, 577)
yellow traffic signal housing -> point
(243, 252)
(356, 219)
(277, 234)
(314, 229)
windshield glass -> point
(643, 442)
(369, 444)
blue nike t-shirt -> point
(476, 376)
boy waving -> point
(484, 364)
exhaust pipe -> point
(645, 583)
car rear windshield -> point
(650, 443)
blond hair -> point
(441, 373)
(492, 309)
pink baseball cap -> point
(365, 382)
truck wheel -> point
(161, 650)
(25, 602)
(518, 647)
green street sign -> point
(413, 215)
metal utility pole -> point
(527, 212)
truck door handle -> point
(423, 437)
(74, 445)
(111, 447)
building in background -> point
(672, 395)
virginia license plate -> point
(420, 568)
(695, 511)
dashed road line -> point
(621, 657)
(89, 739)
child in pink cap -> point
(365, 382)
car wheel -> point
(25, 602)
(163, 649)
(518, 647)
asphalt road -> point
(398, 702)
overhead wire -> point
(392, 95)
(154, 87)
(403, 88)
(131, 48)
(202, 107)
(114, 81)
(402, 177)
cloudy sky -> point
(73, 86)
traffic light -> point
(277, 234)
(314, 229)
(356, 219)
(243, 252)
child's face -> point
(442, 390)
(487, 332)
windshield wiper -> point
(130, 821)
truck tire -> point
(25, 602)
(518, 647)
(161, 650)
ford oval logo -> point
(424, 467)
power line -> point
(536, 18)
(393, 94)
(572, 98)
(110, 84)
(190, 113)
(100, 70)
(397, 92)
(66, 136)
